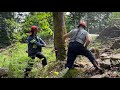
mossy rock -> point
(73, 73)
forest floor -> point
(109, 61)
(14, 60)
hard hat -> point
(34, 28)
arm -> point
(33, 41)
(66, 36)
(87, 40)
(42, 42)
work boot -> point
(26, 75)
(43, 65)
(26, 72)
(100, 70)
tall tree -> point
(96, 21)
(4, 39)
(73, 19)
(59, 31)
(115, 18)
(41, 19)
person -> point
(79, 41)
(35, 45)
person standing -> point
(79, 41)
(35, 45)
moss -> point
(73, 73)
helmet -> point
(34, 28)
(82, 23)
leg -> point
(29, 67)
(70, 61)
(89, 55)
(71, 56)
(40, 55)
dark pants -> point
(75, 49)
(40, 55)
(31, 63)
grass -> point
(15, 59)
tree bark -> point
(59, 31)
(4, 39)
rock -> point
(116, 45)
(104, 55)
(3, 72)
(109, 32)
(115, 57)
(106, 64)
(107, 50)
(96, 76)
(111, 74)
(78, 65)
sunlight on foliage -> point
(15, 58)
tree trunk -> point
(59, 31)
(4, 39)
